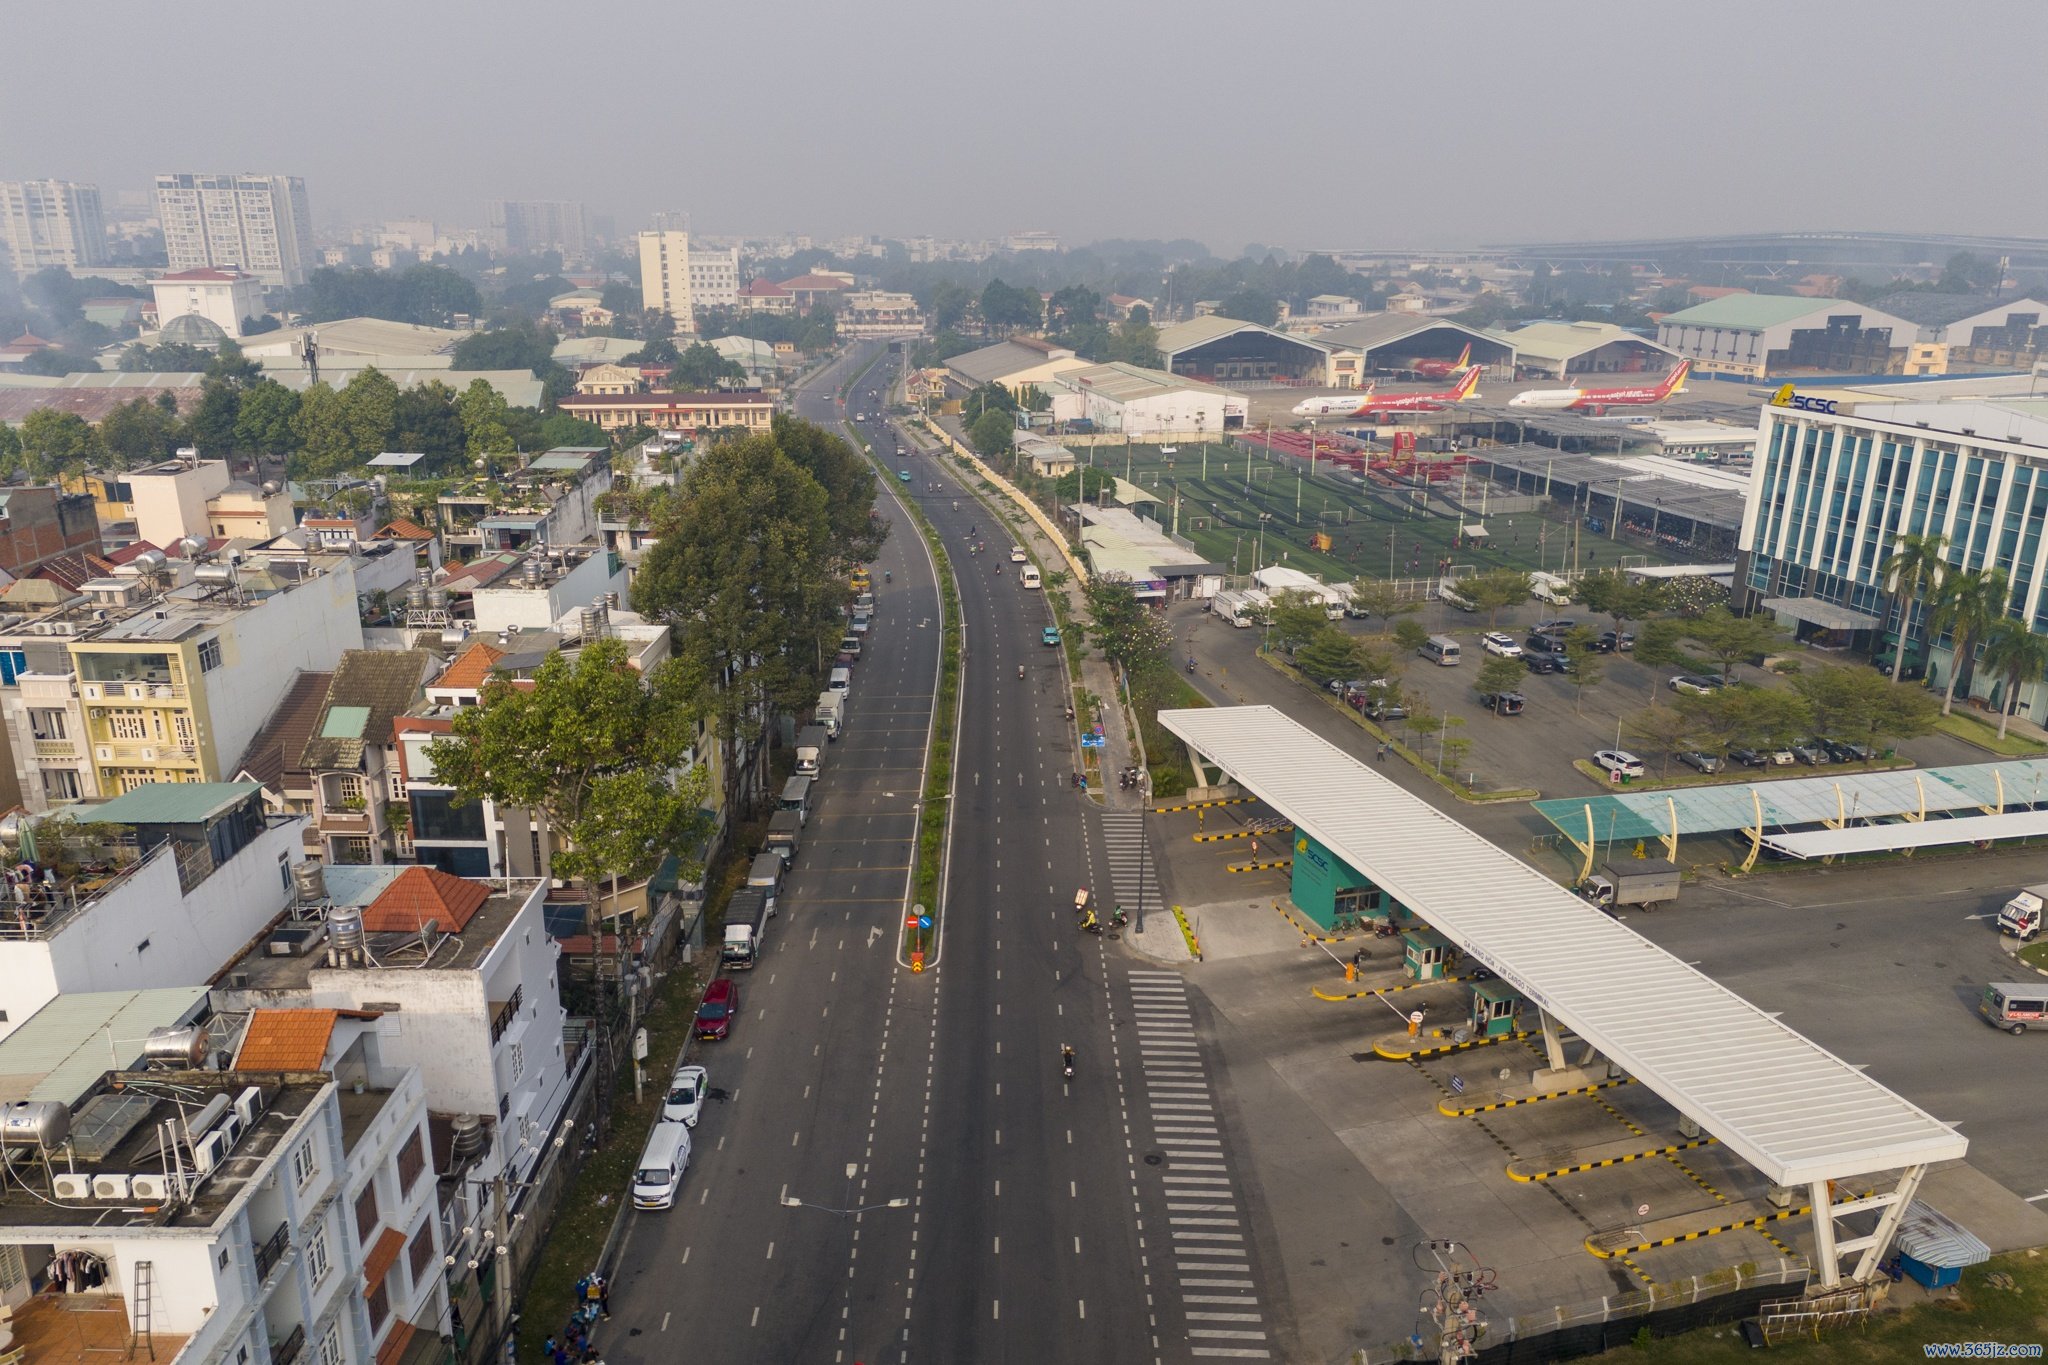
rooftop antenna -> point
(309, 353)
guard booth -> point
(1427, 955)
(1496, 1009)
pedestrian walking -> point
(604, 1298)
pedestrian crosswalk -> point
(1133, 879)
(1210, 1255)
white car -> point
(1503, 645)
(1017, 555)
(1619, 761)
(685, 1100)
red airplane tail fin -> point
(1675, 381)
(1468, 382)
(1463, 356)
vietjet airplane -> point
(1365, 404)
(1442, 369)
(1599, 400)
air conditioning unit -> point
(71, 1185)
(150, 1188)
(248, 1105)
(231, 1125)
(110, 1187)
(211, 1150)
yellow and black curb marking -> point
(1319, 993)
(1265, 866)
(1530, 1099)
(1522, 1179)
(1307, 933)
(1205, 805)
(1242, 834)
(1694, 1236)
(1187, 931)
(1640, 1273)
(1446, 1049)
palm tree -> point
(1969, 604)
(2018, 656)
(1915, 561)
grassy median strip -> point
(1967, 728)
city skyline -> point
(1442, 130)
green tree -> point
(10, 451)
(849, 483)
(138, 433)
(1377, 599)
(1966, 606)
(370, 412)
(1841, 700)
(990, 397)
(1296, 618)
(265, 417)
(1330, 653)
(1915, 562)
(1589, 665)
(1006, 308)
(320, 427)
(1083, 484)
(171, 357)
(1498, 675)
(1131, 635)
(2016, 656)
(1659, 645)
(742, 570)
(700, 368)
(1250, 305)
(594, 747)
(1494, 590)
(486, 420)
(1410, 634)
(993, 434)
(947, 303)
(1665, 730)
(212, 425)
(425, 421)
(1135, 342)
(1901, 713)
(526, 346)
(56, 443)
(59, 360)
(1729, 639)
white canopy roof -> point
(1795, 1111)
(1883, 838)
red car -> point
(715, 1015)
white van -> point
(831, 713)
(796, 796)
(1028, 576)
(661, 1166)
(1440, 649)
(841, 681)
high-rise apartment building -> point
(256, 223)
(47, 223)
(665, 275)
(525, 227)
(714, 278)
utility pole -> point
(1451, 1302)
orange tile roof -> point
(419, 894)
(471, 669)
(400, 529)
(382, 1257)
(395, 1344)
(286, 1040)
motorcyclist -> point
(1067, 1058)
(888, 577)
(1089, 924)
(1020, 670)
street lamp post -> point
(790, 1201)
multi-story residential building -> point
(464, 972)
(1837, 481)
(46, 223)
(528, 227)
(188, 874)
(766, 296)
(256, 223)
(819, 287)
(550, 502)
(276, 757)
(224, 297)
(175, 689)
(665, 275)
(352, 758)
(714, 278)
(39, 523)
(878, 312)
(269, 1201)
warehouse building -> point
(1567, 351)
(1220, 350)
(1836, 483)
(1019, 363)
(1145, 403)
(1970, 331)
(1761, 336)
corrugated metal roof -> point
(170, 803)
(1566, 341)
(61, 1050)
(1752, 311)
(1963, 829)
(1784, 1104)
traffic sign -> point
(910, 921)
(1094, 742)
(1457, 1085)
(924, 921)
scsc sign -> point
(1799, 402)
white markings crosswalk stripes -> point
(1131, 873)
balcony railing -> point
(268, 1254)
(503, 1015)
(56, 748)
(286, 1351)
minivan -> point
(764, 874)
(2012, 1006)
(796, 796)
(841, 680)
(1440, 649)
(661, 1166)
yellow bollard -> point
(1414, 1023)
(1351, 971)
(916, 963)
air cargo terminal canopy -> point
(1796, 1112)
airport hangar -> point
(1391, 343)
(1574, 351)
(1219, 350)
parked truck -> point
(831, 713)
(2021, 916)
(1551, 588)
(785, 834)
(746, 927)
(810, 750)
(1240, 606)
(1639, 881)
(1278, 579)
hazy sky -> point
(1297, 123)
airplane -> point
(1442, 369)
(1366, 404)
(1599, 400)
